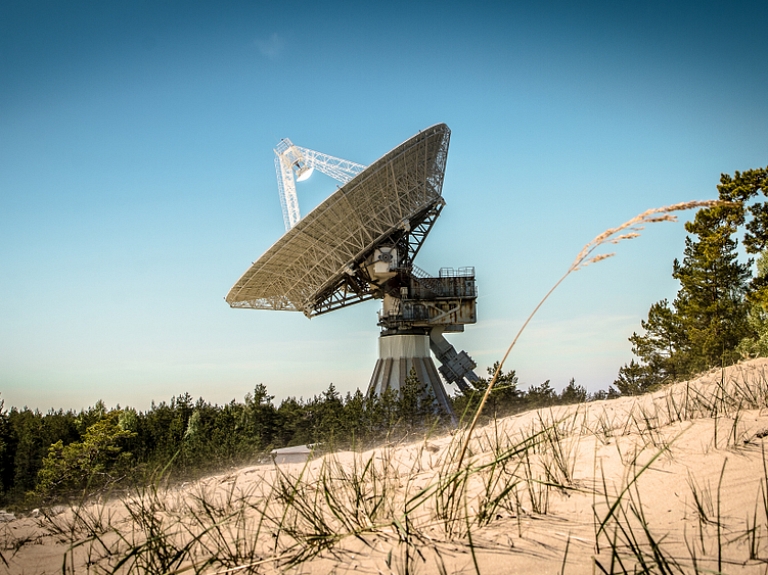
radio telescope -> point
(360, 244)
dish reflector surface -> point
(312, 267)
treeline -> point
(720, 313)
(46, 457)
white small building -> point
(297, 454)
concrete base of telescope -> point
(398, 354)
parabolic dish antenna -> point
(360, 244)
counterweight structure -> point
(360, 244)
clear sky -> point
(137, 181)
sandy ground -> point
(671, 482)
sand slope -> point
(670, 482)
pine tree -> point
(411, 400)
(259, 418)
(707, 324)
(756, 343)
(505, 396)
(573, 393)
(7, 450)
(663, 348)
(740, 188)
(538, 395)
(710, 304)
(635, 379)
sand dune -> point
(670, 482)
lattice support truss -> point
(294, 163)
(357, 286)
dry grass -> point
(673, 482)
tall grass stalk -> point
(626, 231)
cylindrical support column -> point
(398, 354)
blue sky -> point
(137, 180)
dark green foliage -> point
(417, 404)
(95, 462)
(411, 398)
(663, 347)
(68, 454)
(741, 188)
(710, 323)
(357, 408)
(636, 379)
(573, 393)
(259, 419)
(327, 416)
(29, 435)
(505, 396)
(541, 395)
(756, 343)
(8, 441)
(710, 303)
